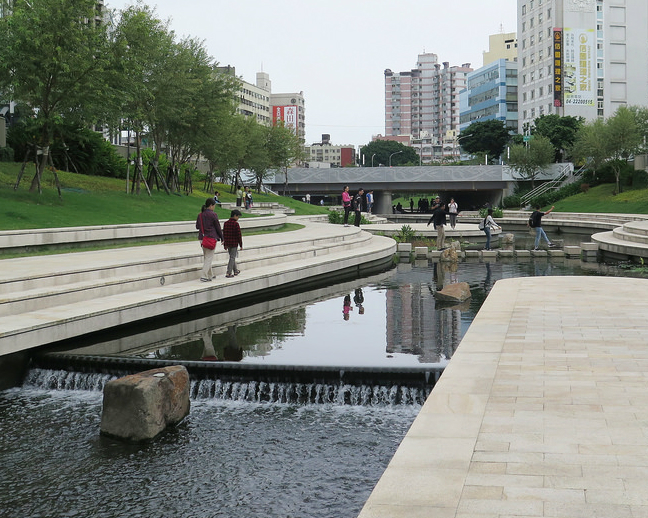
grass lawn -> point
(93, 200)
(601, 199)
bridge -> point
(470, 185)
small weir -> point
(250, 383)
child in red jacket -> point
(232, 240)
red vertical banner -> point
(558, 66)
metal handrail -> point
(563, 178)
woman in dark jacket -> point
(208, 226)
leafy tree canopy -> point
(529, 160)
(381, 150)
(561, 131)
(489, 137)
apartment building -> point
(581, 57)
(424, 101)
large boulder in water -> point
(140, 406)
(455, 292)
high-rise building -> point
(581, 57)
(424, 100)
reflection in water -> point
(406, 326)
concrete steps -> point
(50, 298)
(628, 242)
(76, 284)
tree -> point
(53, 58)
(284, 148)
(623, 140)
(591, 144)
(381, 150)
(530, 160)
(489, 137)
(561, 131)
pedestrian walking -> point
(535, 221)
(209, 233)
(489, 225)
(232, 241)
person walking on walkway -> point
(370, 201)
(209, 233)
(439, 220)
(357, 207)
(489, 224)
(232, 240)
(535, 221)
(346, 204)
(452, 211)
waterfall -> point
(249, 390)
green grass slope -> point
(93, 200)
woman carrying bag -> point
(489, 224)
(209, 233)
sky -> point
(336, 51)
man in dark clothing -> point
(357, 207)
(536, 222)
(439, 220)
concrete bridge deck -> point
(542, 411)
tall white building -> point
(581, 57)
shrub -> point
(497, 212)
(513, 201)
(6, 154)
(406, 234)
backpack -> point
(482, 224)
(531, 222)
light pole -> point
(372, 157)
(457, 139)
(392, 156)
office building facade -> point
(491, 94)
(581, 57)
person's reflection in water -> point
(232, 352)
(488, 283)
(438, 273)
(209, 353)
(358, 299)
(346, 307)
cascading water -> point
(249, 391)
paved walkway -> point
(542, 412)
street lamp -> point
(457, 139)
(392, 156)
(372, 157)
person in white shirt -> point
(489, 224)
(453, 211)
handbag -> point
(207, 242)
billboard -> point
(287, 115)
(579, 67)
(558, 66)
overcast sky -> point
(336, 51)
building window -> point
(549, 13)
(524, 9)
(523, 26)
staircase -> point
(566, 176)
